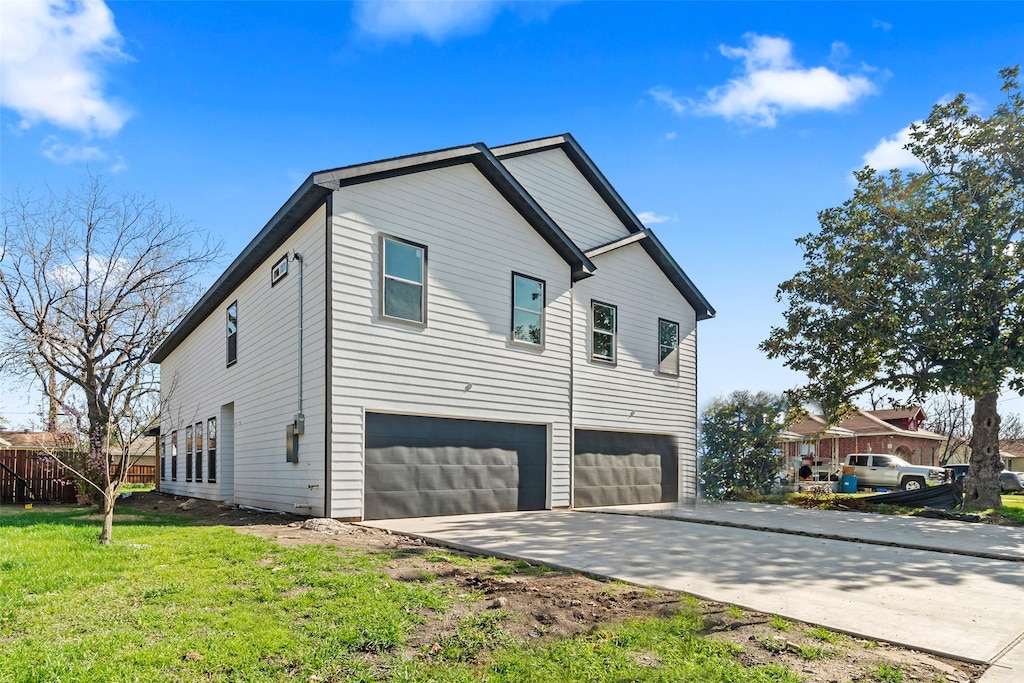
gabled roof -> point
(315, 190)
(654, 248)
(864, 423)
(899, 413)
(1013, 448)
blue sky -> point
(726, 126)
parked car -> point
(957, 472)
(876, 470)
(1011, 482)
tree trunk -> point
(107, 502)
(982, 489)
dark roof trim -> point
(318, 187)
(567, 143)
(300, 206)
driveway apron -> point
(961, 606)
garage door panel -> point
(418, 466)
(593, 496)
(620, 468)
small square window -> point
(403, 280)
(279, 270)
(527, 310)
(603, 324)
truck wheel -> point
(913, 483)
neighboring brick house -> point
(897, 432)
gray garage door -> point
(427, 466)
(618, 468)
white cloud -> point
(774, 83)
(884, 25)
(889, 154)
(50, 64)
(435, 19)
(666, 97)
(671, 135)
(60, 153)
(651, 218)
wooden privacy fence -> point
(28, 475)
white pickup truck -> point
(888, 471)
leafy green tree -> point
(916, 283)
(739, 444)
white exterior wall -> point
(262, 385)
(557, 185)
(462, 364)
(631, 396)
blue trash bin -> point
(848, 483)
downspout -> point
(298, 257)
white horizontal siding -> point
(263, 384)
(632, 395)
(557, 185)
(462, 364)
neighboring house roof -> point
(315, 190)
(900, 413)
(1012, 448)
(26, 440)
(863, 423)
(654, 248)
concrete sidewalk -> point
(944, 536)
(951, 604)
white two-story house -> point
(466, 330)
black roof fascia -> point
(516, 195)
(654, 248)
(314, 191)
(303, 202)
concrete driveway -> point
(953, 604)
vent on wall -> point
(279, 271)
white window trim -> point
(673, 372)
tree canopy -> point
(90, 284)
(916, 283)
(739, 444)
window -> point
(603, 338)
(403, 289)
(668, 347)
(174, 456)
(527, 310)
(188, 453)
(279, 270)
(211, 449)
(881, 461)
(163, 460)
(232, 333)
(199, 451)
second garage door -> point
(428, 466)
(619, 468)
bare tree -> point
(950, 415)
(90, 284)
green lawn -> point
(190, 603)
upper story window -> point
(527, 310)
(668, 347)
(403, 281)
(232, 330)
(603, 323)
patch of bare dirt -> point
(546, 605)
